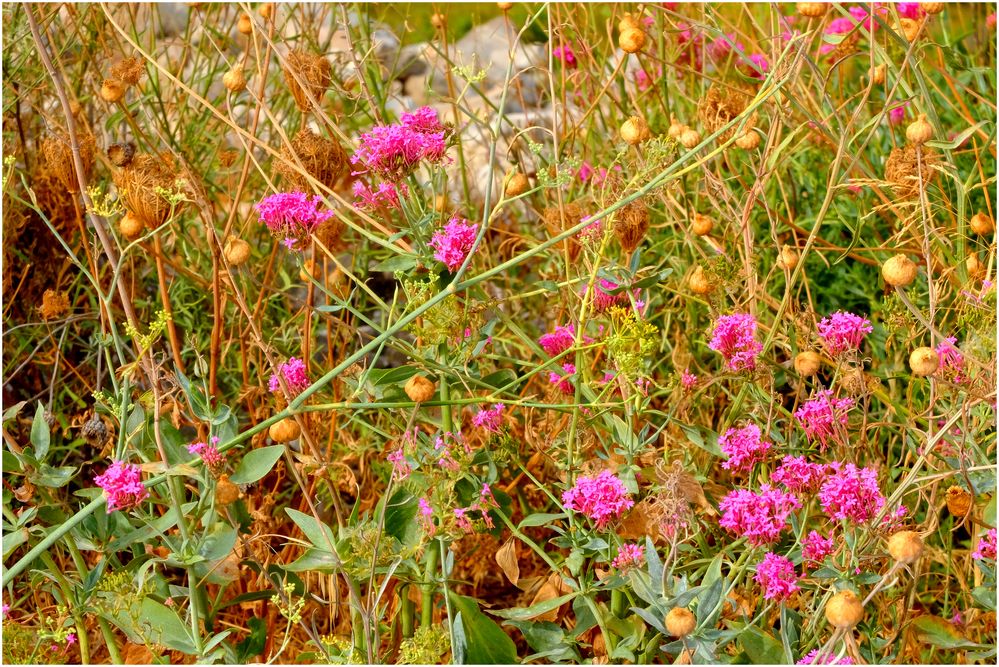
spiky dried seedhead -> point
(54, 304)
(323, 159)
(58, 154)
(129, 71)
(94, 431)
(307, 74)
(720, 106)
(121, 154)
(959, 501)
(558, 219)
(631, 224)
(141, 184)
(906, 170)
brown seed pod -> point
(981, 224)
(812, 10)
(631, 40)
(121, 154)
(308, 271)
(58, 155)
(702, 224)
(307, 74)
(245, 24)
(557, 220)
(899, 271)
(905, 546)
(140, 185)
(878, 74)
(680, 622)
(909, 28)
(323, 159)
(54, 304)
(844, 610)
(234, 80)
(630, 225)
(959, 501)
(720, 106)
(130, 226)
(676, 128)
(266, 10)
(517, 184)
(905, 170)
(748, 141)
(856, 382)
(932, 7)
(807, 363)
(226, 492)
(690, 138)
(628, 22)
(129, 71)
(699, 282)
(919, 131)
(787, 258)
(504, 6)
(635, 130)
(237, 251)
(285, 430)
(112, 90)
(420, 389)
(94, 431)
(974, 266)
(438, 21)
(924, 361)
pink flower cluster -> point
(602, 297)
(798, 475)
(603, 498)
(759, 517)
(851, 493)
(566, 55)
(777, 577)
(734, 336)
(426, 517)
(453, 243)
(951, 361)
(562, 381)
(292, 216)
(295, 377)
(814, 658)
(209, 453)
(843, 332)
(558, 341)
(385, 196)
(485, 502)
(821, 417)
(490, 419)
(394, 151)
(815, 548)
(447, 448)
(628, 556)
(744, 447)
(897, 113)
(688, 380)
(986, 548)
(122, 484)
(400, 465)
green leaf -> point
(527, 613)
(53, 478)
(762, 648)
(315, 560)
(256, 464)
(12, 411)
(487, 644)
(547, 638)
(938, 632)
(397, 263)
(318, 533)
(400, 518)
(40, 433)
(165, 626)
(958, 140)
(540, 519)
(255, 642)
(500, 378)
(710, 445)
(990, 513)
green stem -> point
(67, 595)
(427, 611)
(408, 608)
(447, 417)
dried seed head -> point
(517, 184)
(54, 304)
(130, 226)
(899, 271)
(788, 258)
(58, 155)
(701, 224)
(227, 157)
(558, 219)
(878, 74)
(129, 71)
(226, 492)
(323, 159)
(635, 130)
(438, 21)
(94, 432)
(330, 233)
(680, 622)
(245, 25)
(237, 251)
(699, 282)
(631, 40)
(631, 224)
(141, 184)
(924, 361)
(266, 10)
(909, 28)
(974, 266)
(856, 382)
(906, 170)
(307, 74)
(748, 141)
(905, 546)
(982, 224)
(807, 363)
(719, 107)
(919, 131)
(932, 7)
(844, 610)
(690, 138)
(504, 6)
(285, 430)
(308, 270)
(121, 154)
(420, 389)
(112, 90)
(959, 501)
(234, 80)
(628, 22)
(812, 10)
(676, 128)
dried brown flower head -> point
(54, 304)
(141, 185)
(631, 225)
(719, 106)
(558, 219)
(129, 71)
(323, 159)
(58, 155)
(906, 169)
(307, 74)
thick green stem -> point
(406, 614)
(427, 611)
(67, 594)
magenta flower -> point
(822, 417)
(400, 466)
(758, 66)
(602, 297)
(813, 658)
(394, 151)
(986, 548)
(209, 453)
(453, 243)
(426, 517)
(386, 196)
(490, 419)
(122, 484)
(603, 498)
(798, 475)
(777, 577)
(815, 548)
(851, 493)
(759, 517)
(843, 332)
(951, 361)
(295, 377)
(744, 447)
(628, 556)
(4, 610)
(566, 55)
(446, 450)
(734, 336)
(558, 341)
(563, 382)
(688, 380)
(292, 216)
(719, 48)
(897, 113)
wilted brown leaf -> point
(506, 557)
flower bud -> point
(982, 224)
(635, 130)
(130, 226)
(702, 225)
(234, 80)
(517, 185)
